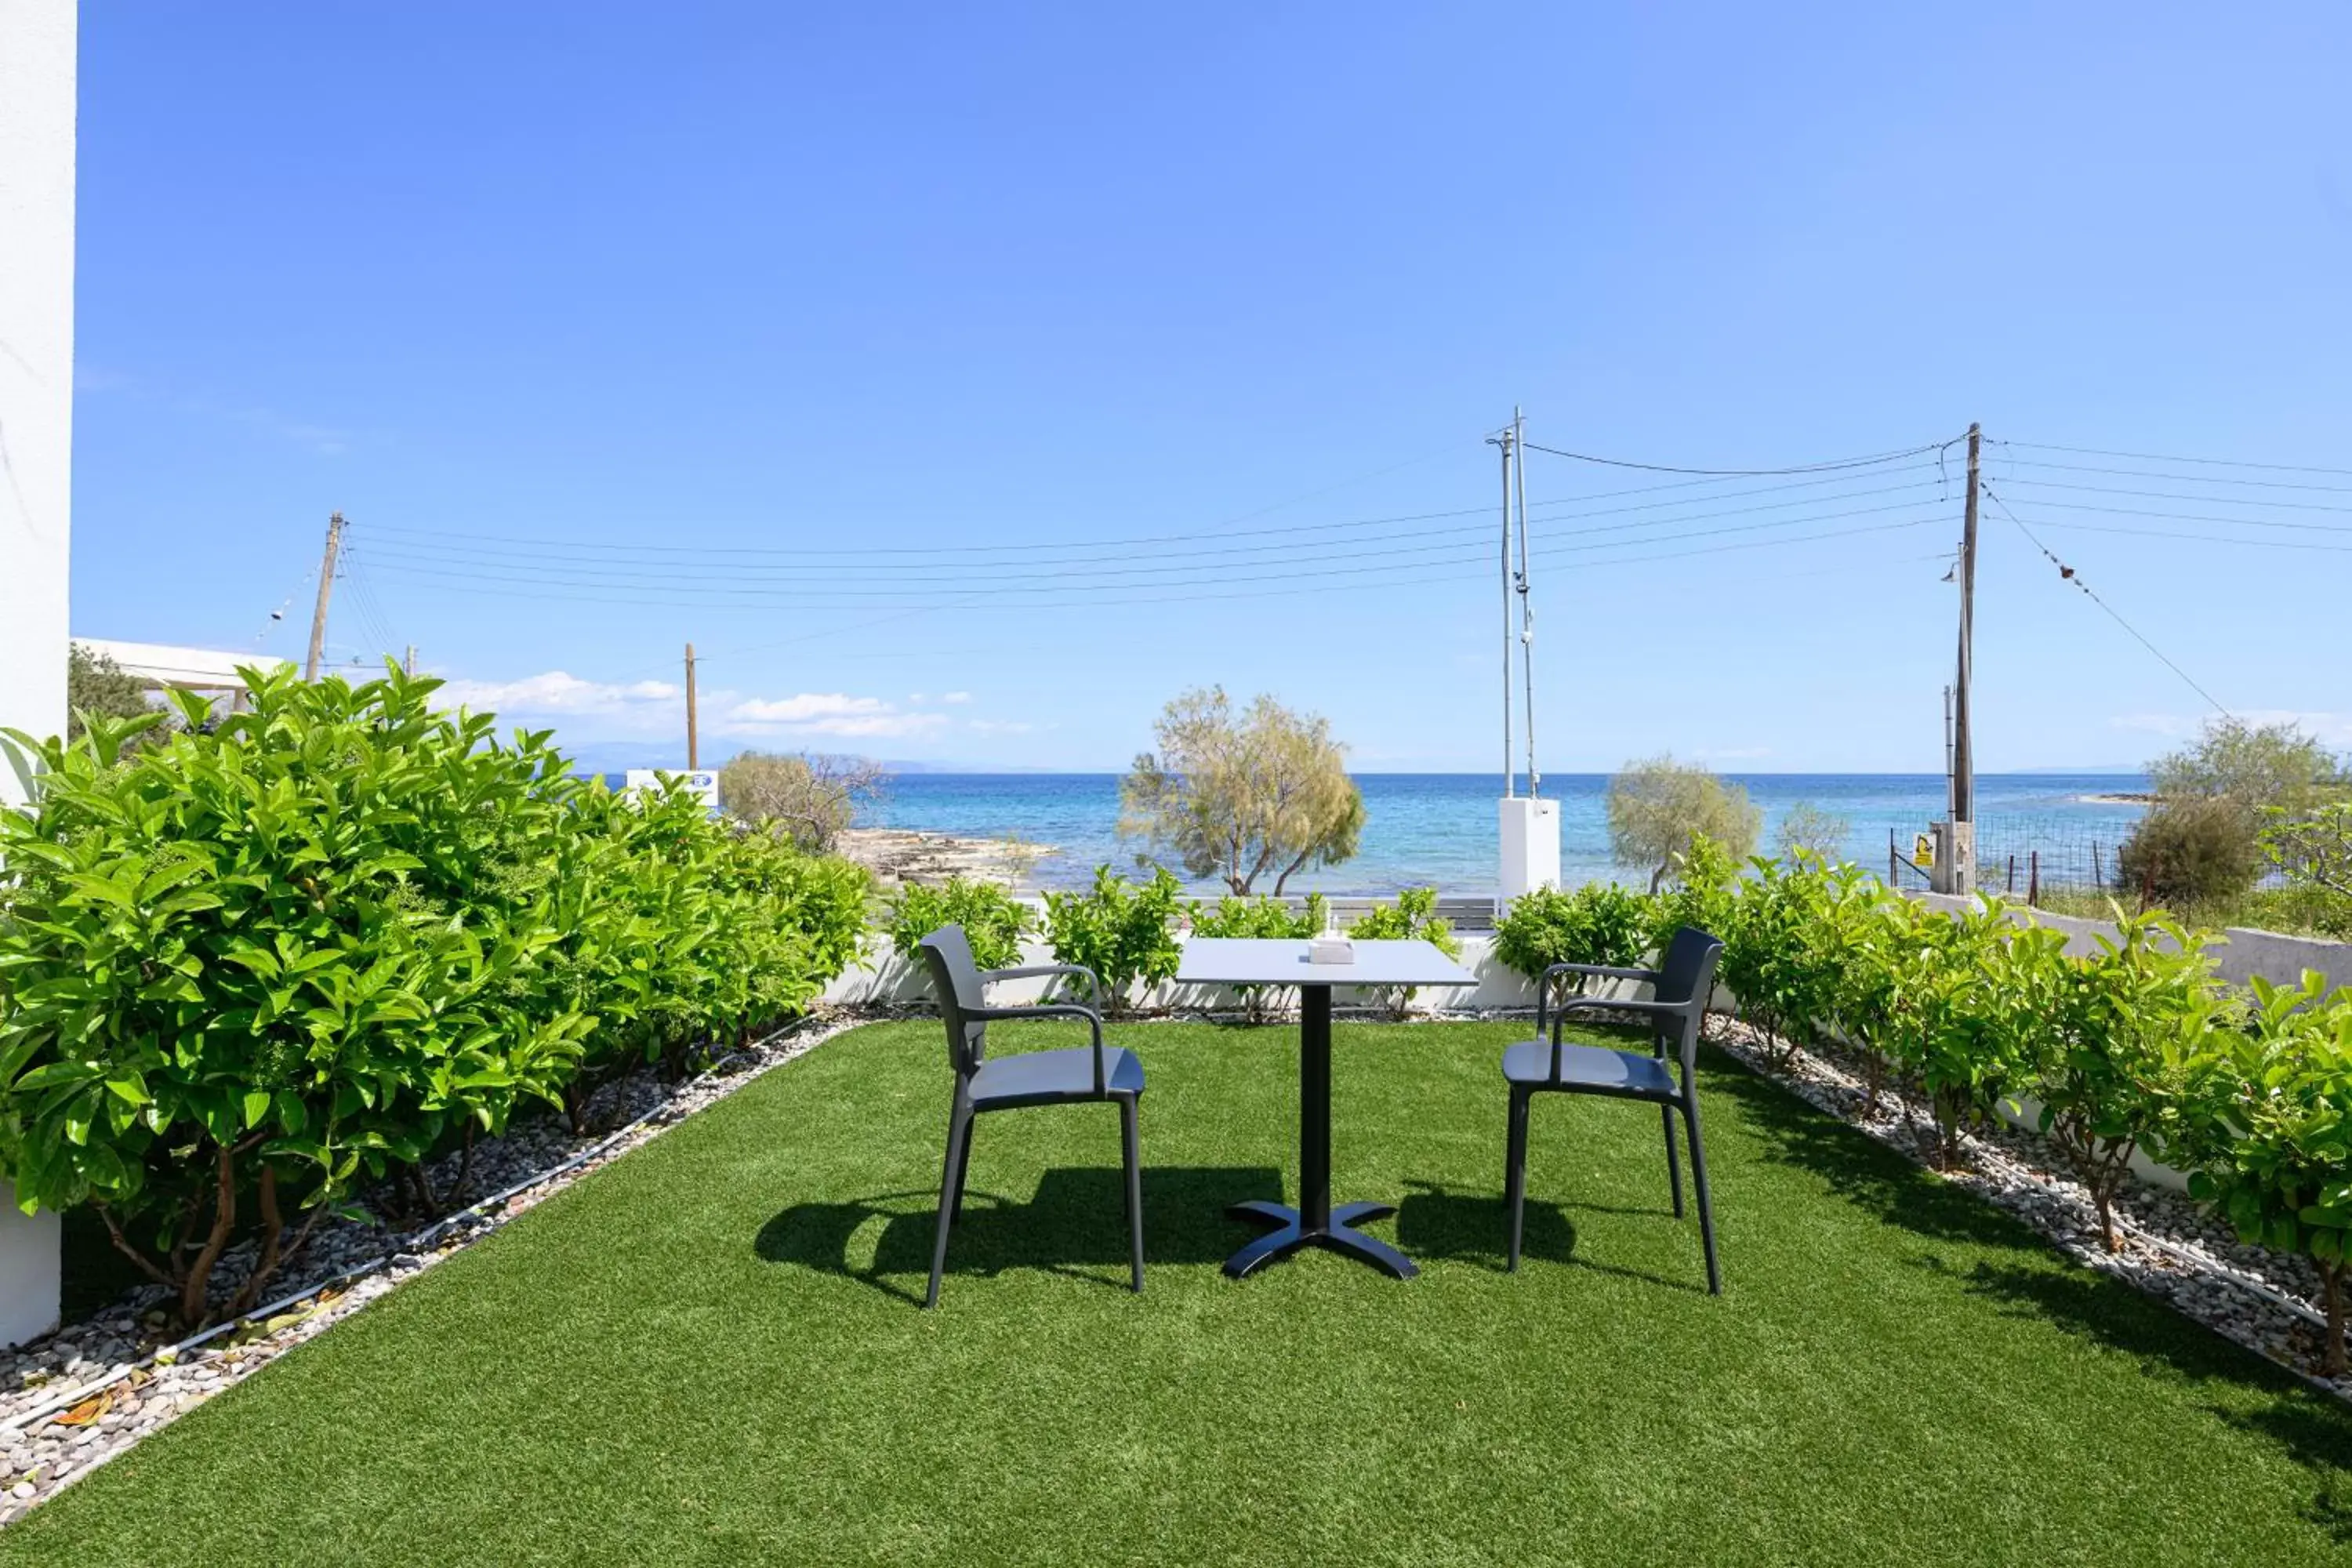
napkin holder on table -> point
(1331, 950)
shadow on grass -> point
(2312, 1428)
(1075, 1224)
(1858, 1168)
(1474, 1227)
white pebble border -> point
(79, 1397)
(73, 1401)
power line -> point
(2069, 574)
(2182, 478)
(1088, 583)
(1863, 462)
(541, 546)
(2171, 458)
(413, 561)
(2176, 495)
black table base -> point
(1315, 1223)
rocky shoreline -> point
(898, 855)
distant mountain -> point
(2128, 770)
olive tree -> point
(96, 684)
(1807, 827)
(1240, 796)
(812, 797)
(1657, 807)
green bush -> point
(243, 972)
(1773, 961)
(1123, 931)
(2265, 1132)
(991, 918)
(1413, 916)
(2111, 1040)
(2187, 855)
(1265, 918)
(1599, 922)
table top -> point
(1254, 961)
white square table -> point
(1235, 961)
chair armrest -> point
(1038, 971)
(1611, 1004)
(1051, 1010)
(1605, 971)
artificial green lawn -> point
(711, 1351)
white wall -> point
(37, 270)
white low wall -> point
(2245, 953)
(883, 977)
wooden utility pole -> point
(326, 590)
(1962, 847)
(693, 754)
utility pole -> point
(693, 755)
(1508, 442)
(408, 665)
(1960, 848)
(326, 589)
(1526, 610)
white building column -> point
(37, 44)
(1530, 846)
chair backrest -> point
(1686, 979)
(956, 986)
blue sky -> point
(862, 346)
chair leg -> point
(1127, 1114)
(959, 1143)
(1698, 1179)
(1674, 1169)
(962, 1170)
(1515, 1171)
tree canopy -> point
(2257, 767)
(1242, 796)
(1658, 806)
(812, 797)
(96, 684)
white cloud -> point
(955, 697)
(619, 709)
(555, 692)
(806, 707)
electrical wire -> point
(2017, 462)
(2068, 573)
(1863, 462)
(1061, 584)
(2171, 458)
(548, 546)
(575, 572)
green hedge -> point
(309, 946)
(2135, 1046)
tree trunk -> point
(200, 1273)
(2331, 1277)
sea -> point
(1441, 829)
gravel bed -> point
(73, 1400)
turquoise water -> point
(1440, 828)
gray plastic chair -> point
(1075, 1076)
(1682, 984)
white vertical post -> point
(37, 43)
(1530, 846)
